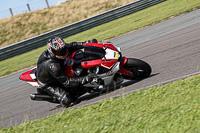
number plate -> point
(116, 55)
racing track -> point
(171, 47)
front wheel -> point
(139, 68)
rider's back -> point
(44, 68)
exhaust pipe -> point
(40, 97)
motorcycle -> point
(104, 59)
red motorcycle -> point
(103, 59)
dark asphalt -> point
(171, 47)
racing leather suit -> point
(53, 79)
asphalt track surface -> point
(171, 47)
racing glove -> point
(89, 78)
(76, 45)
(91, 41)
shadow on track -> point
(105, 91)
(110, 89)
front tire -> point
(139, 68)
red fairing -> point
(92, 63)
(104, 63)
(69, 62)
(26, 76)
(122, 70)
(111, 46)
(99, 62)
(109, 64)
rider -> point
(51, 76)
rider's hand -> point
(94, 41)
(91, 41)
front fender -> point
(122, 70)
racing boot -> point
(61, 95)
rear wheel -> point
(139, 68)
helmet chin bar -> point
(61, 57)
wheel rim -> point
(137, 72)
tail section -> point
(30, 77)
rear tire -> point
(140, 69)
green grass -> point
(112, 29)
(173, 108)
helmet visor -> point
(61, 53)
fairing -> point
(103, 55)
(30, 77)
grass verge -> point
(173, 108)
(112, 29)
